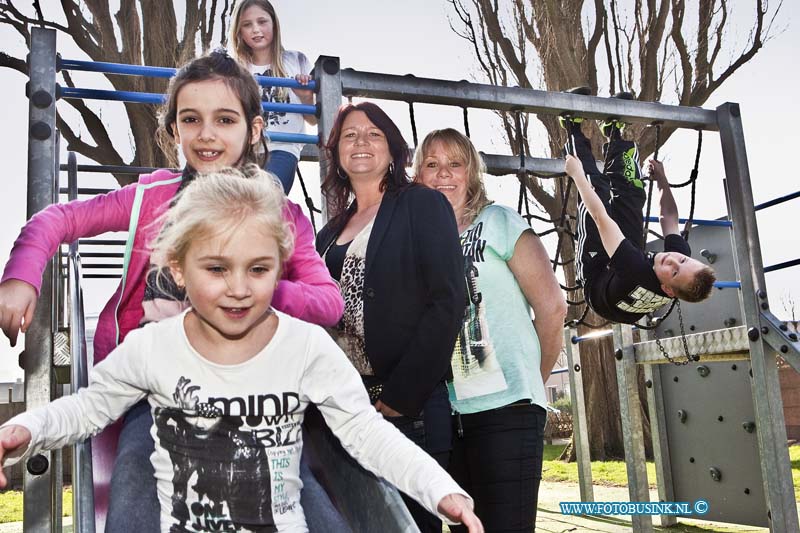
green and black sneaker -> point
(567, 121)
(612, 126)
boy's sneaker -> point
(567, 121)
(611, 126)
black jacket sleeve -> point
(425, 360)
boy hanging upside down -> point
(622, 282)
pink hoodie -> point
(306, 290)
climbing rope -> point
(650, 187)
(413, 123)
(309, 201)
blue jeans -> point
(284, 165)
(498, 461)
(433, 433)
(134, 505)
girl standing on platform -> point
(228, 446)
(256, 42)
(213, 112)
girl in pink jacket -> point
(213, 112)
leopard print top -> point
(349, 333)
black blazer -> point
(414, 294)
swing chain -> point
(690, 358)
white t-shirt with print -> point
(294, 63)
(228, 437)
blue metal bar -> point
(158, 99)
(291, 83)
(559, 371)
(701, 222)
(777, 201)
(781, 266)
(595, 335)
(115, 68)
(728, 284)
(165, 72)
(114, 96)
(302, 138)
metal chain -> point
(689, 357)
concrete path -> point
(550, 519)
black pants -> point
(620, 189)
(432, 432)
(498, 461)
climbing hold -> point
(749, 426)
(716, 474)
(703, 370)
(682, 416)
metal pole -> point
(658, 433)
(483, 96)
(774, 452)
(580, 430)
(82, 473)
(39, 476)
(329, 97)
(632, 435)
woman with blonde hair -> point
(255, 41)
(501, 360)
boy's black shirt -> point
(626, 288)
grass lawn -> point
(11, 505)
(613, 473)
(603, 473)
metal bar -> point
(728, 344)
(781, 266)
(728, 284)
(90, 191)
(658, 433)
(776, 334)
(116, 169)
(82, 471)
(580, 430)
(281, 137)
(329, 99)
(116, 255)
(101, 242)
(40, 490)
(777, 201)
(700, 222)
(576, 339)
(630, 407)
(499, 165)
(774, 453)
(496, 164)
(164, 72)
(476, 95)
(158, 99)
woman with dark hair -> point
(393, 247)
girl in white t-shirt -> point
(229, 379)
(256, 42)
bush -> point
(563, 404)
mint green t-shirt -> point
(497, 356)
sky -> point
(413, 36)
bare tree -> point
(650, 48)
(146, 32)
